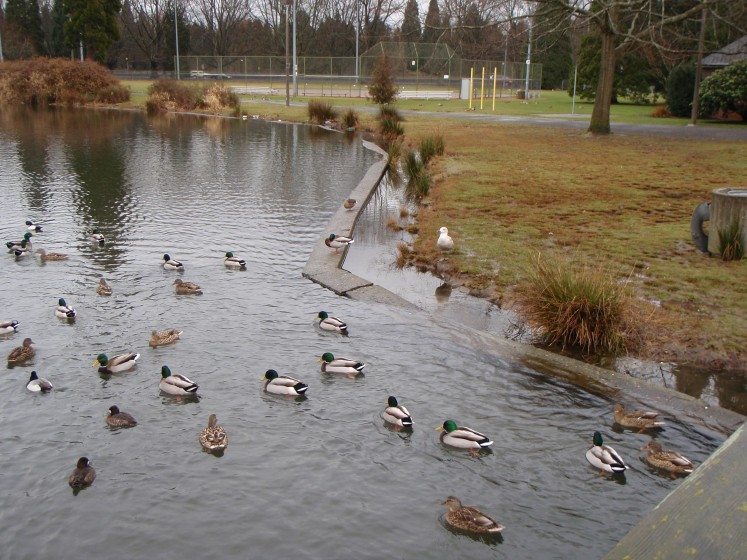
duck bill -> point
(439, 428)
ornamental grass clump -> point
(582, 308)
(350, 119)
(431, 146)
(47, 81)
(731, 247)
(320, 112)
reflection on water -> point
(313, 478)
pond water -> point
(318, 478)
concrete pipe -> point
(701, 214)
(728, 205)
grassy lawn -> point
(508, 192)
(548, 103)
(622, 203)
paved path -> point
(704, 131)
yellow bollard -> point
(495, 77)
(471, 81)
(482, 87)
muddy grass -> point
(623, 203)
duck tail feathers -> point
(301, 388)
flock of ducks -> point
(214, 439)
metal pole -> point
(176, 36)
(471, 82)
(529, 61)
(287, 56)
(1, 49)
(505, 66)
(575, 77)
(357, 39)
(495, 77)
(698, 69)
(482, 87)
(295, 58)
(81, 50)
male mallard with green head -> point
(462, 437)
(171, 264)
(283, 384)
(469, 519)
(234, 262)
(22, 354)
(332, 324)
(63, 310)
(337, 242)
(636, 419)
(117, 364)
(176, 384)
(162, 338)
(187, 288)
(604, 457)
(24, 250)
(83, 474)
(346, 366)
(13, 245)
(96, 237)
(214, 437)
(396, 414)
(118, 419)
(670, 461)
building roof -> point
(733, 52)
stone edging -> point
(324, 268)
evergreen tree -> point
(57, 45)
(411, 23)
(431, 32)
(25, 17)
(382, 89)
(553, 45)
(94, 22)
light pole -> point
(287, 55)
(529, 61)
(176, 36)
(357, 39)
(295, 58)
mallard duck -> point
(117, 364)
(162, 338)
(469, 519)
(23, 250)
(23, 353)
(32, 227)
(330, 364)
(187, 288)
(83, 475)
(337, 242)
(214, 437)
(103, 289)
(8, 327)
(13, 245)
(176, 384)
(118, 419)
(445, 243)
(171, 264)
(63, 310)
(604, 457)
(97, 237)
(396, 414)
(462, 437)
(44, 256)
(234, 262)
(37, 384)
(283, 384)
(349, 203)
(667, 460)
(333, 324)
(639, 419)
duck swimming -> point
(117, 364)
(63, 310)
(44, 256)
(176, 384)
(332, 324)
(670, 461)
(38, 384)
(118, 419)
(214, 437)
(14, 245)
(604, 457)
(97, 237)
(83, 475)
(171, 264)
(469, 519)
(187, 288)
(283, 384)
(8, 327)
(396, 414)
(462, 437)
(32, 227)
(234, 262)
(103, 289)
(162, 338)
(637, 419)
(349, 367)
(22, 354)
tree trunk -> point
(600, 116)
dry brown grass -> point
(393, 224)
(173, 95)
(621, 201)
(45, 81)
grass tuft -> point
(350, 119)
(321, 111)
(730, 246)
(431, 146)
(577, 307)
(393, 224)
